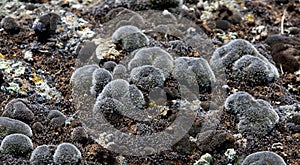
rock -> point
(57, 118)
(10, 25)
(211, 140)
(41, 155)
(154, 56)
(235, 19)
(37, 127)
(9, 126)
(147, 77)
(16, 144)
(87, 51)
(264, 157)
(67, 153)
(285, 52)
(79, 134)
(18, 109)
(46, 25)
(130, 38)
(255, 116)
(223, 24)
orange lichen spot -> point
(36, 79)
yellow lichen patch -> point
(36, 79)
(2, 56)
(250, 17)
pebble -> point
(46, 25)
(16, 144)
(223, 24)
(37, 127)
(18, 109)
(67, 153)
(41, 155)
(9, 126)
(285, 52)
(79, 134)
(10, 25)
(212, 139)
(57, 118)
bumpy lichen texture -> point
(16, 144)
(9, 126)
(154, 56)
(129, 95)
(101, 77)
(67, 153)
(255, 116)
(147, 77)
(41, 155)
(194, 73)
(18, 109)
(256, 69)
(82, 78)
(130, 38)
(264, 157)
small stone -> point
(16, 144)
(37, 127)
(41, 155)
(10, 25)
(235, 19)
(212, 139)
(9, 126)
(223, 24)
(79, 134)
(54, 114)
(46, 25)
(67, 153)
(57, 118)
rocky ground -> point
(43, 43)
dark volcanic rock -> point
(285, 51)
(46, 25)
(10, 25)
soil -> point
(58, 65)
